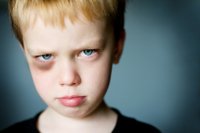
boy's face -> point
(71, 67)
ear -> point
(119, 47)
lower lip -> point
(72, 101)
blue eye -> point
(45, 57)
(88, 52)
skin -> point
(73, 61)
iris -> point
(46, 57)
(88, 52)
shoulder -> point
(23, 126)
(28, 126)
(125, 123)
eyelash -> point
(88, 52)
(42, 57)
(83, 54)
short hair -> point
(24, 12)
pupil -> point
(46, 56)
(88, 52)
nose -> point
(69, 75)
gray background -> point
(157, 80)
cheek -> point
(98, 77)
(42, 79)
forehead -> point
(82, 25)
(79, 32)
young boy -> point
(70, 46)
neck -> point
(102, 116)
(100, 112)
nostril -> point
(71, 80)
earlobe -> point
(119, 47)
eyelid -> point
(82, 54)
(41, 59)
(91, 50)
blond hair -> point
(24, 12)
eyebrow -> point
(91, 44)
(38, 51)
(94, 43)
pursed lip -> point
(72, 101)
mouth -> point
(72, 101)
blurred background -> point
(157, 80)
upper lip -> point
(70, 97)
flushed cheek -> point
(42, 81)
